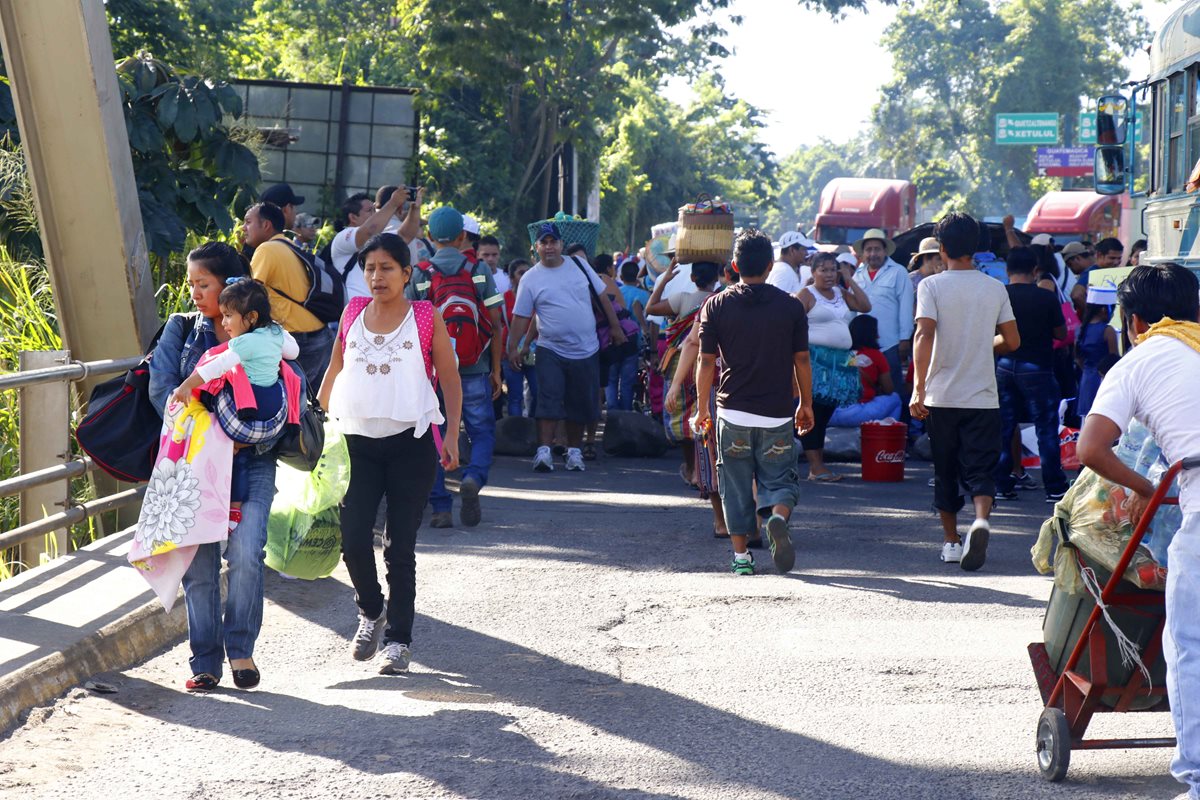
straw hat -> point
(929, 246)
(875, 233)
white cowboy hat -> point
(875, 233)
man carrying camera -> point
(365, 219)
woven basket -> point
(704, 237)
(574, 231)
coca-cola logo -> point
(889, 457)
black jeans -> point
(402, 467)
(815, 439)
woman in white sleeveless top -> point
(378, 386)
(830, 304)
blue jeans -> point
(621, 377)
(214, 636)
(480, 418)
(1022, 384)
(1181, 650)
(515, 380)
(745, 456)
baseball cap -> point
(1075, 249)
(793, 238)
(848, 258)
(1044, 239)
(548, 229)
(445, 224)
(470, 225)
(305, 221)
(281, 194)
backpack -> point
(455, 297)
(326, 288)
(121, 429)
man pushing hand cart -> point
(1158, 384)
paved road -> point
(587, 642)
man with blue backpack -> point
(464, 292)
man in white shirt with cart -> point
(1158, 383)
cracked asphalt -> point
(587, 641)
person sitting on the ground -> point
(879, 400)
(1158, 384)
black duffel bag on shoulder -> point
(121, 429)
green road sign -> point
(1027, 129)
(1087, 127)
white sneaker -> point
(396, 658)
(543, 461)
(975, 545)
(951, 552)
(574, 459)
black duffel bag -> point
(301, 445)
(121, 429)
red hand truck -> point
(1071, 698)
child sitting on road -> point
(879, 399)
(248, 370)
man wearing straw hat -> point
(891, 292)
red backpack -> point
(456, 299)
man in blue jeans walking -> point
(1025, 377)
(761, 335)
(481, 380)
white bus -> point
(1171, 214)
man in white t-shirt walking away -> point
(963, 317)
(364, 219)
(1158, 384)
(790, 273)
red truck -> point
(852, 206)
(1077, 216)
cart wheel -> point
(1053, 745)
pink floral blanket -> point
(187, 498)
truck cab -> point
(1075, 217)
(852, 206)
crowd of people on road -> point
(407, 328)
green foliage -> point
(660, 156)
(189, 168)
(960, 62)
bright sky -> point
(796, 63)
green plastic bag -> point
(304, 534)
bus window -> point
(1177, 168)
(1158, 122)
(1193, 134)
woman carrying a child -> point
(214, 634)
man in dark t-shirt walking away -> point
(761, 335)
(1025, 377)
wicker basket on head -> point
(574, 231)
(705, 233)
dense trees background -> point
(507, 84)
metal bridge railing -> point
(47, 466)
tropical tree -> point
(960, 62)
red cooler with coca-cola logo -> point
(883, 451)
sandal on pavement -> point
(245, 678)
(825, 477)
(203, 682)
